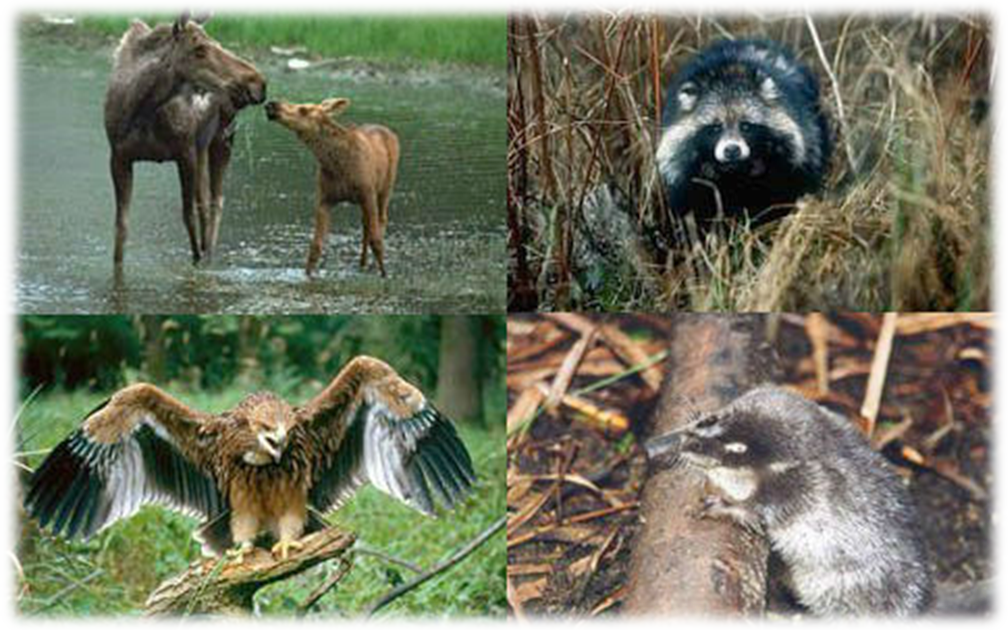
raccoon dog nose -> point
(731, 150)
(663, 449)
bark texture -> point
(682, 565)
(220, 587)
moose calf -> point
(356, 164)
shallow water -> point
(444, 246)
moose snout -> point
(257, 92)
(271, 109)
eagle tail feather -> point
(315, 522)
(215, 534)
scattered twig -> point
(817, 330)
(880, 365)
(524, 408)
(344, 567)
(58, 597)
(562, 380)
(517, 608)
(23, 584)
(841, 115)
(364, 551)
(514, 541)
(457, 557)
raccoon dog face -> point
(731, 440)
(743, 116)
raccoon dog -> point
(742, 134)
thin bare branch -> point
(457, 557)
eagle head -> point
(268, 419)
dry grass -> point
(902, 224)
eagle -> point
(264, 469)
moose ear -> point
(180, 23)
(334, 106)
(202, 17)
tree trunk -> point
(682, 565)
(459, 387)
(251, 331)
(153, 340)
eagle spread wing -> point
(140, 446)
(372, 426)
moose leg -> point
(364, 238)
(383, 203)
(187, 179)
(220, 156)
(203, 212)
(318, 241)
(386, 195)
(373, 224)
(122, 181)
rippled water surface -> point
(444, 246)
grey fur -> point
(832, 508)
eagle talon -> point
(236, 555)
(284, 547)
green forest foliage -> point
(105, 352)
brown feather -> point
(270, 464)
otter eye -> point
(707, 422)
(736, 447)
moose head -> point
(197, 58)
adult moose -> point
(172, 96)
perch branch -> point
(457, 557)
(222, 587)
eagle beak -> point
(273, 443)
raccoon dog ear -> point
(688, 95)
(768, 90)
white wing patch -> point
(419, 460)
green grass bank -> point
(420, 38)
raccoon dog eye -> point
(736, 447)
(746, 127)
(707, 422)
